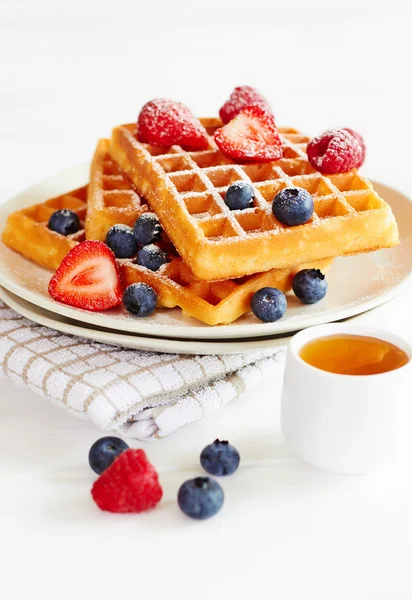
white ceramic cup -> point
(348, 424)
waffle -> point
(186, 190)
(112, 198)
(27, 232)
(213, 303)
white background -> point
(71, 70)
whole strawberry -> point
(241, 97)
(129, 484)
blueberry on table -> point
(200, 498)
(269, 304)
(147, 229)
(239, 195)
(121, 240)
(104, 452)
(220, 458)
(310, 285)
(151, 257)
(64, 221)
(293, 206)
(140, 299)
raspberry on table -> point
(334, 151)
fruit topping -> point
(140, 299)
(151, 257)
(88, 278)
(64, 221)
(220, 458)
(130, 484)
(147, 229)
(165, 123)
(335, 151)
(269, 304)
(293, 206)
(251, 136)
(121, 240)
(361, 141)
(240, 98)
(310, 285)
(239, 195)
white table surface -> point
(70, 71)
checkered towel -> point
(141, 394)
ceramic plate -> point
(115, 338)
(356, 284)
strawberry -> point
(129, 484)
(165, 123)
(88, 278)
(251, 136)
(240, 98)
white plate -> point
(136, 342)
(356, 284)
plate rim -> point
(219, 332)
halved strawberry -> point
(88, 278)
(251, 136)
(241, 97)
(165, 123)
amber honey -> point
(353, 355)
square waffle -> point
(112, 198)
(27, 230)
(187, 189)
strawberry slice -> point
(165, 123)
(88, 278)
(251, 136)
(241, 97)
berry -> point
(129, 484)
(240, 98)
(140, 299)
(151, 257)
(269, 304)
(147, 229)
(251, 136)
(165, 123)
(104, 452)
(64, 221)
(88, 278)
(200, 498)
(121, 240)
(334, 151)
(220, 458)
(239, 195)
(362, 145)
(293, 206)
(310, 285)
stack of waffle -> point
(219, 257)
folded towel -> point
(143, 395)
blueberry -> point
(140, 299)
(147, 229)
(293, 206)
(104, 452)
(240, 195)
(200, 498)
(151, 257)
(64, 221)
(310, 285)
(269, 304)
(121, 240)
(220, 458)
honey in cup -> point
(347, 354)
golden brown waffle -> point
(112, 198)
(27, 231)
(186, 190)
(212, 303)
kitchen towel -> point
(144, 395)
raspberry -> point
(240, 98)
(165, 123)
(362, 145)
(129, 484)
(335, 151)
